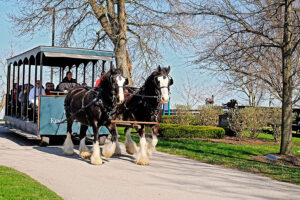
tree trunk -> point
(116, 29)
(286, 138)
(122, 58)
(2, 104)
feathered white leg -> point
(83, 150)
(109, 149)
(118, 148)
(96, 158)
(151, 143)
(68, 145)
(130, 145)
(142, 157)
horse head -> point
(117, 82)
(163, 82)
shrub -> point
(184, 131)
(248, 119)
(208, 115)
(274, 120)
(169, 119)
(183, 115)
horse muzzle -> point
(164, 100)
(120, 96)
(120, 102)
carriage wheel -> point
(44, 141)
(102, 139)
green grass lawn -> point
(232, 156)
(16, 185)
(270, 137)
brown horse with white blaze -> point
(94, 107)
(145, 105)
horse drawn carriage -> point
(83, 107)
(39, 119)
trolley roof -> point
(60, 56)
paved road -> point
(167, 177)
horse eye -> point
(164, 77)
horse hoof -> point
(131, 149)
(69, 153)
(142, 162)
(85, 154)
(118, 152)
(109, 149)
(96, 161)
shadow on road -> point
(20, 140)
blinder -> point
(157, 89)
(157, 85)
(113, 82)
(170, 80)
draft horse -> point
(94, 107)
(145, 105)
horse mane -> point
(150, 78)
(106, 77)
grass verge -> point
(271, 137)
(229, 155)
(17, 185)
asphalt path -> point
(119, 178)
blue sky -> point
(180, 71)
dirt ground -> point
(284, 160)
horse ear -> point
(158, 68)
(169, 69)
(171, 81)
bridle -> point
(158, 88)
(114, 86)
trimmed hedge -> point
(183, 131)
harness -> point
(82, 105)
(153, 111)
(98, 99)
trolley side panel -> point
(52, 111)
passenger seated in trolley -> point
(14, 92)
(31, 93)
(23, 98)
(67, 83)
(49, 88)
(68, 78)
(23, 94)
